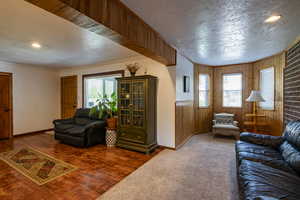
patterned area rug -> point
(37, 166)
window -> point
(232, 90)
(98, 85)
(267, 88)
(204, 90)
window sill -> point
(204, 107)
(232, 107)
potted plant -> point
(107, 109)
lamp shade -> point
(255, 96)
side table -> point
(111, 137)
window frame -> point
(242, 83)
(274, 90)
(104, 74)
(208, 91)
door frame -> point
(61, 92)
(10, 75)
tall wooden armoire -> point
(137, 100)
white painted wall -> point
(184, 68)
(36, 92)
(35, 96)
(166, 91)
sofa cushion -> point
(275, 162)
(292, 133)
(291, 155)
(257, 149)
(265, 140)
(259, 180)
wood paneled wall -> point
(184, 119)
(251, 74)
(203, 116)
(112, 19)
(274, 117)
(247, 71)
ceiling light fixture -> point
(273, 18)
(36, 45)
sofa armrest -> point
(265, 140)
(236, 123)
(63, 121)
(214, 122)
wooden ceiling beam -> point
(113, 20)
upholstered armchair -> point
(81, 131)
(224, 124)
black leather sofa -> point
(269, 166)
(81, 131)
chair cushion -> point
(224, 118)
(259, 180)
(77, 131)
(82, 121)
(291, 155)
(226, 126)
(82, 113)
(63, 128)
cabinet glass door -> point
(125, 102)
(138, 103)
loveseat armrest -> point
(265, 140)
(63, 121)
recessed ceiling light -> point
(36, 45)
(273, 18)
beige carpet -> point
(202, 169)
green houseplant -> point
(106, 108)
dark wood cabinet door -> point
(68, 96)
(138, 104)
(5, 106)
(125, 102)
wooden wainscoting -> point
(203, 116)
(274, 117)
(247, 71)
(184, 119)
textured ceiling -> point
(220, 32)
(64, 44)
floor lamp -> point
(255, 97)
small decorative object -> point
(111, 137)
(186, 84)
(132, 68)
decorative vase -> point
(111, 137)
(133, 68)
(111, 123)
